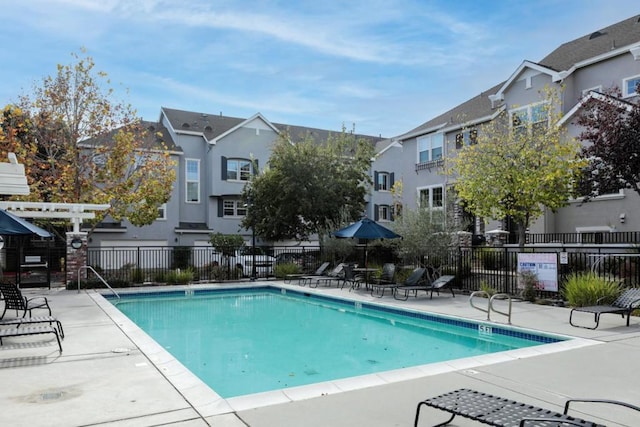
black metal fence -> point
(474, 267)
(497, 268)
(32, 262)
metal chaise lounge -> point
(30, 330)
(303, 279)
(437, 285)
(500, 412)
(628, 301)
(333, 275)
(19, 321)
(415, 278)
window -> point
(630, 85)
(383, 181)
(383, 213)
(192, 178)
(430, 147)
(162, 212)
(468, 137)
(239, 170)
(534, 116)
(234, 208)
(431, 197)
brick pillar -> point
(76, 258)
(464, 239)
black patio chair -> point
(13, 300)
(628, 301)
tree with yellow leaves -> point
(522, 163)
(78, 146)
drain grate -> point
(52, 395)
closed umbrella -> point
(366, 229)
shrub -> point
(281, 270)
(583, 289)
(137, 275)
(529, 284)
(403, 274)
(180, 277)
(94, 283)
(160, 276)
(490, 290)
(221, 273)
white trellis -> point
(75, 212)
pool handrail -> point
(88, 267)
(490, 307)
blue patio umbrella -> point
(12, 225)
(366, 229)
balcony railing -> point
(429, 165)
(598, 238)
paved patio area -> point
(110, 374)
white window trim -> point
(430, 150)
(624, 86)
(388, 216)
(236, 205)
(430, 188)
(163, 208)
(528, 108)
(237, 160)
(187, 181)
(388, 175)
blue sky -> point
(384, 65)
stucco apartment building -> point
(605, 58)
(215, 157)
(214, 152)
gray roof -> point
(563, 58)
(214, 125)
(597, 43)
(158, 133)
(477, 107)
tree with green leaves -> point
(427, 234)
(80, 146)
(522, 164)
(611, 135)
(307, 185)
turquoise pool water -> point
(259, 339)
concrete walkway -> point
(110, 375)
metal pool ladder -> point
(490, 306)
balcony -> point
(429, 165)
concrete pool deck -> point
(104, 378)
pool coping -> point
(209, 403)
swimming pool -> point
(267, 338)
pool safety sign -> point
(545, 267)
